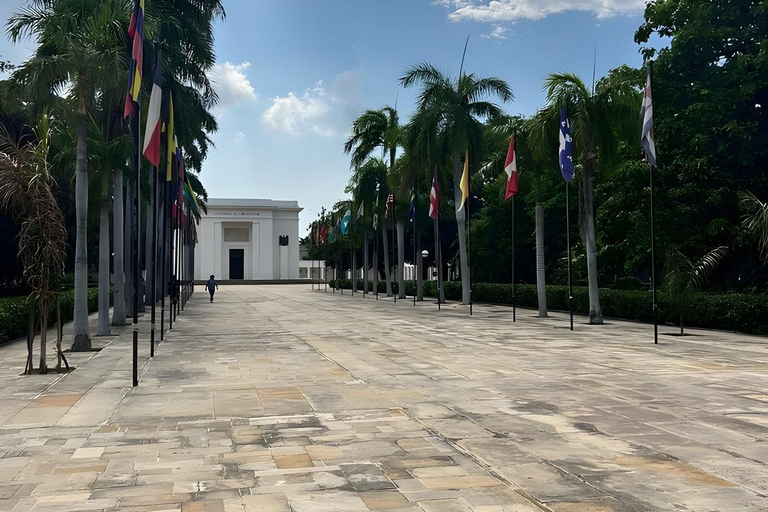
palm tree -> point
(599, 120)
(449, 110)
(76, 38)
(377, 129)
(756, 220)
(685, 275)
(365, 183)
(26, 191)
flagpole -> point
(653, 237)
(163, 268)
(352, 258)
(376, 249)
(469, 239)
(394, 253)
(365, 250)
(513, 260)
(152, 265)
(568, 243)
(415, 263)
(136, 219)
(438, 260)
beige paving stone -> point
(324, 452)
(459, 482)
(88, 453)
(293, 461)
(384, 500)
(444, 506)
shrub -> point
(727, 311)
(14, 313)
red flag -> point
(390, 200)
(135, 32)
(323, 233)
(510, 167)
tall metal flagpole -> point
(136, 219)
(469, 238)
(376, 249)
(649, 144)
(153, 264)
(415, 261)
(513, 259)
(352, 258)
(394, 253)
(169, 244)
(653, 269)
(365, 250)
(568, 244)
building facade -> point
(248, 239)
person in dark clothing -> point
(211, 286)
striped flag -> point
(510, 167)
(566, 147)
(647, 112)
(390, 200)
(136, 32)
(464, 183)
(434, 197)
(152, 132)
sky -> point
(292, 75)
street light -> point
(424, 253)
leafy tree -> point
(599, 119)
(449, 112)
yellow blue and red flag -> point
(135, 32)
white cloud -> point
(497, 33)
(326, 112)
(240, 137)
(498, 11)
(231, 84)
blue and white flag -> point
(345, 222)
(566, 147)
(647, 112)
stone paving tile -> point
(277, 398)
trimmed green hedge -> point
(727, 311)
(14, 312)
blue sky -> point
(293, 74)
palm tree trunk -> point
(400, 260)
(44, 334)
(128, 245)
(387, 268)
(588, 226)
(462, 229)
(118, 308)
(80, 330)
(103, 324)
(541, 283)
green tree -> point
(599, 119)
(77, 41)
(449, 112)
(372, 130)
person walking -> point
(211, 286)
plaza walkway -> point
(280, 398)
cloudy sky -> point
(293, 74)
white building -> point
(244, 239)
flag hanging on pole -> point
(412, 207)
(434, 196)
(323, 232)
(390, 200)
(566, 147)
(510, 167)
(345, 222)
(154, 126)
(135, 32)
(464, 183)
(647, 112)
(361, 210)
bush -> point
(14, 313)
(727, 311)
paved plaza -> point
(280, 398)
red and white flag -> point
(434, 197)
(510, 167)
(152, 133)
(390, 200)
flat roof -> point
(267, 204)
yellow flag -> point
(170, 132)
(464, 185)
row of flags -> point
(510, 168)
(160, 118)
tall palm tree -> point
(599, 120)
(450, 110)
(756, 220)
(366, 182)
(76, 39)
(372, 130)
